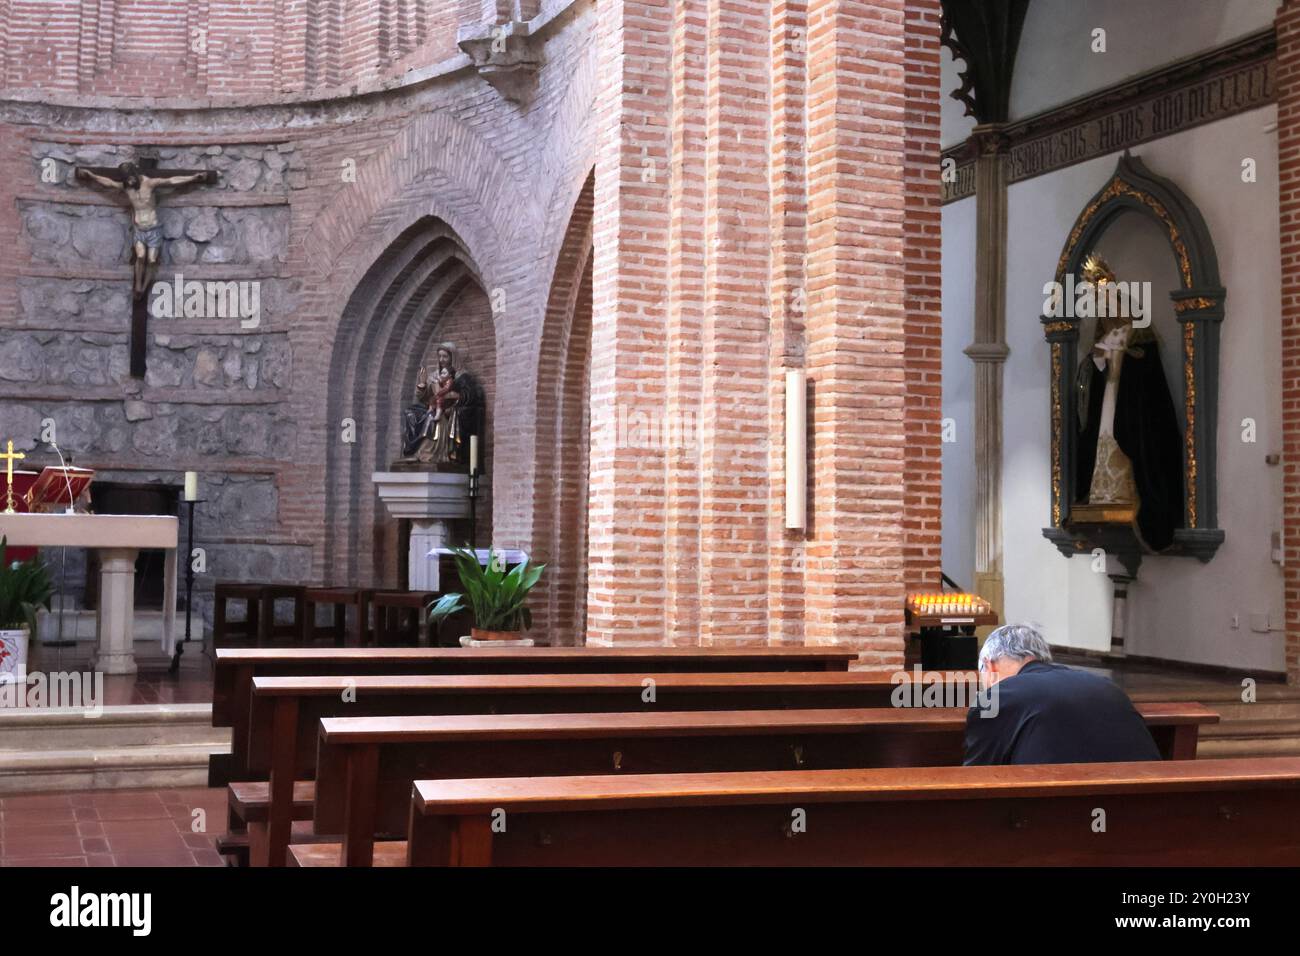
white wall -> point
(1055, 61)
(1179, 608)
(958, 230)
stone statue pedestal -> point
(430, 500)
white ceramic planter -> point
(13, 656)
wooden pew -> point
(235, 669)
(280, 744)
(366, 765)
(1234, 812)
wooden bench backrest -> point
(630, 743)
(237, 665)
(1196, 812)
(438, 694)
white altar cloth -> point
(119, 539)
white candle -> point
(191, 486)
(473, 454)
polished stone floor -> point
(154, 683)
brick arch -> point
(396, 308)
(436, 163)
(563, 426)
(567, 154)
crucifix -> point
(140, 181)
(10, 457)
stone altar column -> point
(429, 500)
(116, 616)
(989, 353)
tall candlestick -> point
(473, 454)
(191, 486)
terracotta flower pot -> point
(481, 635)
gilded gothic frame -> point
(1198, 307)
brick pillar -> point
(855, 326)
(291, 50)
(687, 178)
(1288, 119)
(625, 590)
(923, 278)
(734, 435)
(787, 302)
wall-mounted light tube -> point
(796, 449)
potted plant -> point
(24, 587)
(496, 596)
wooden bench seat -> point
(1234, 812)
(280, 744)
(250, 800)
(366, 766)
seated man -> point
(1040, 712)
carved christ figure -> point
(146, 231)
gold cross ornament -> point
(10, 457)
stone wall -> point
(763, 198)
(312, 196)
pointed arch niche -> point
(560, 493)
(1198, 311)
(422, 290)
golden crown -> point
(1096, 271)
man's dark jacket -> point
(1050, 713)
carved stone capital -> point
(994, 352)
(507, 55)
(990, 139)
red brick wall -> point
(220, 48)
(559, 490)
(922, 279)
(854, 329)
(1288, 115)
(625, 575)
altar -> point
(119, 539)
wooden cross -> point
(10, 457)
(139, 181)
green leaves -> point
(25, 587)
(496, 596)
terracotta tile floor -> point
(112, 828)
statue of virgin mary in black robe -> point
(1144, 427)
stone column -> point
(429, 500)
(989, 353)
(116, 616)
(422, 566)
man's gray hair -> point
(1018, 641)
